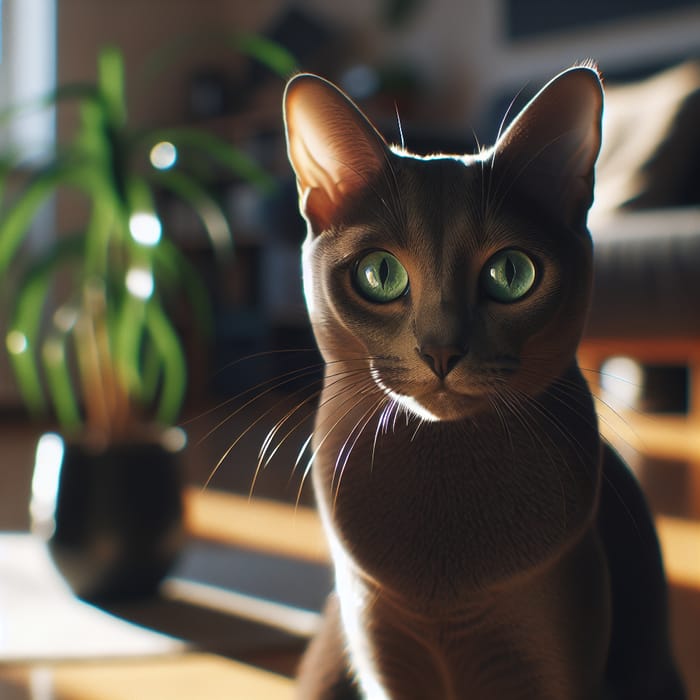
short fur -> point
(487, 545)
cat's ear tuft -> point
(554, 142)
(334, 149)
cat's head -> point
(454, 279)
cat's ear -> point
(334, 149)
(552, 145)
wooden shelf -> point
(665, 436)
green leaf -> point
(75, 91)
(24, 366)
(174, 366)
(139, 196)
(6, 166)
(169, 256)
(128, 336)
(144, 347)
(150, 373)
(33, 291)
(205, 206)
(17, 220)
(60, 386)
(101, 231)
(110, 80)
(266, 51)
(220, 151)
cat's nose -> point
(442, 359)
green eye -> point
(380, 277)
(508, 276)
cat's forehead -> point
(451, 207)
(442, 209)
(439, 197)
(439, 187)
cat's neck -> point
(482, 498)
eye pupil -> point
(380, 277)
(510, 271)
(383, 272)
(508, 276)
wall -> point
(139, 28)
(460, 46)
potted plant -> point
(92, 340)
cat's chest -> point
(436, 510)
(541, 638)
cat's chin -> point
(442, 405)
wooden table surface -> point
(261, 526)
(184, 674)
(190, 676)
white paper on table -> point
(41, 619)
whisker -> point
(620, 498)
(232, 399)
(287, 378)
(231, 447)
(264, 461)
(604, 417)
(486, 205)
(556, 421)
(502, 420)
(381, 426)
(297, 462)
(262, 353)
(564, 387)
(527, 423)
(370, 413)
(340, 376)
(626, 405)
(311, 460)
(421, 421)
(398, 124)
(270, 435)
(241, 435)
(361, 386)
(398, 409)
(392, 183)
(512, 180)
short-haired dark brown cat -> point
(487, 544)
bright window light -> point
(145, 228)
(27, 72)
(139, 282)
(163, 155)
(621, 379)
(47, 471)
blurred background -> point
(193, 315)
(448, 68)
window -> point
(28, 71)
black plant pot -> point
(112, 515)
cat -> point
(487, 545)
